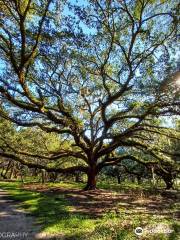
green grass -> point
(53, 213)
(67, 185)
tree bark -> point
(7, 169)
(119, 179)
(11, 173)
(169, 183)
(91, 181)
(43, 176)
(139, 179)
(153, 176)
(77, 177)
(132, 178)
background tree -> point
(169, 169)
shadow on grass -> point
(55, 213)
(52, 213)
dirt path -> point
(14, 223)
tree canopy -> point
(100, 75)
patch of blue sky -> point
(67, 11)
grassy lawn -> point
(56, 214)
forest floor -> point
(64, 211)
(98, 202)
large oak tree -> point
(100, 75)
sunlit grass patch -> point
(67, 185)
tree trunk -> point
(91, 182)
(153, 176)
(15, 172)
(11, 173)
(21, 175)
(132, 178)
(4, 175)
(119, 179)
(77, 177)
(139, 179)
(43, 176)
(169, 183)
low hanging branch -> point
(40, 166)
